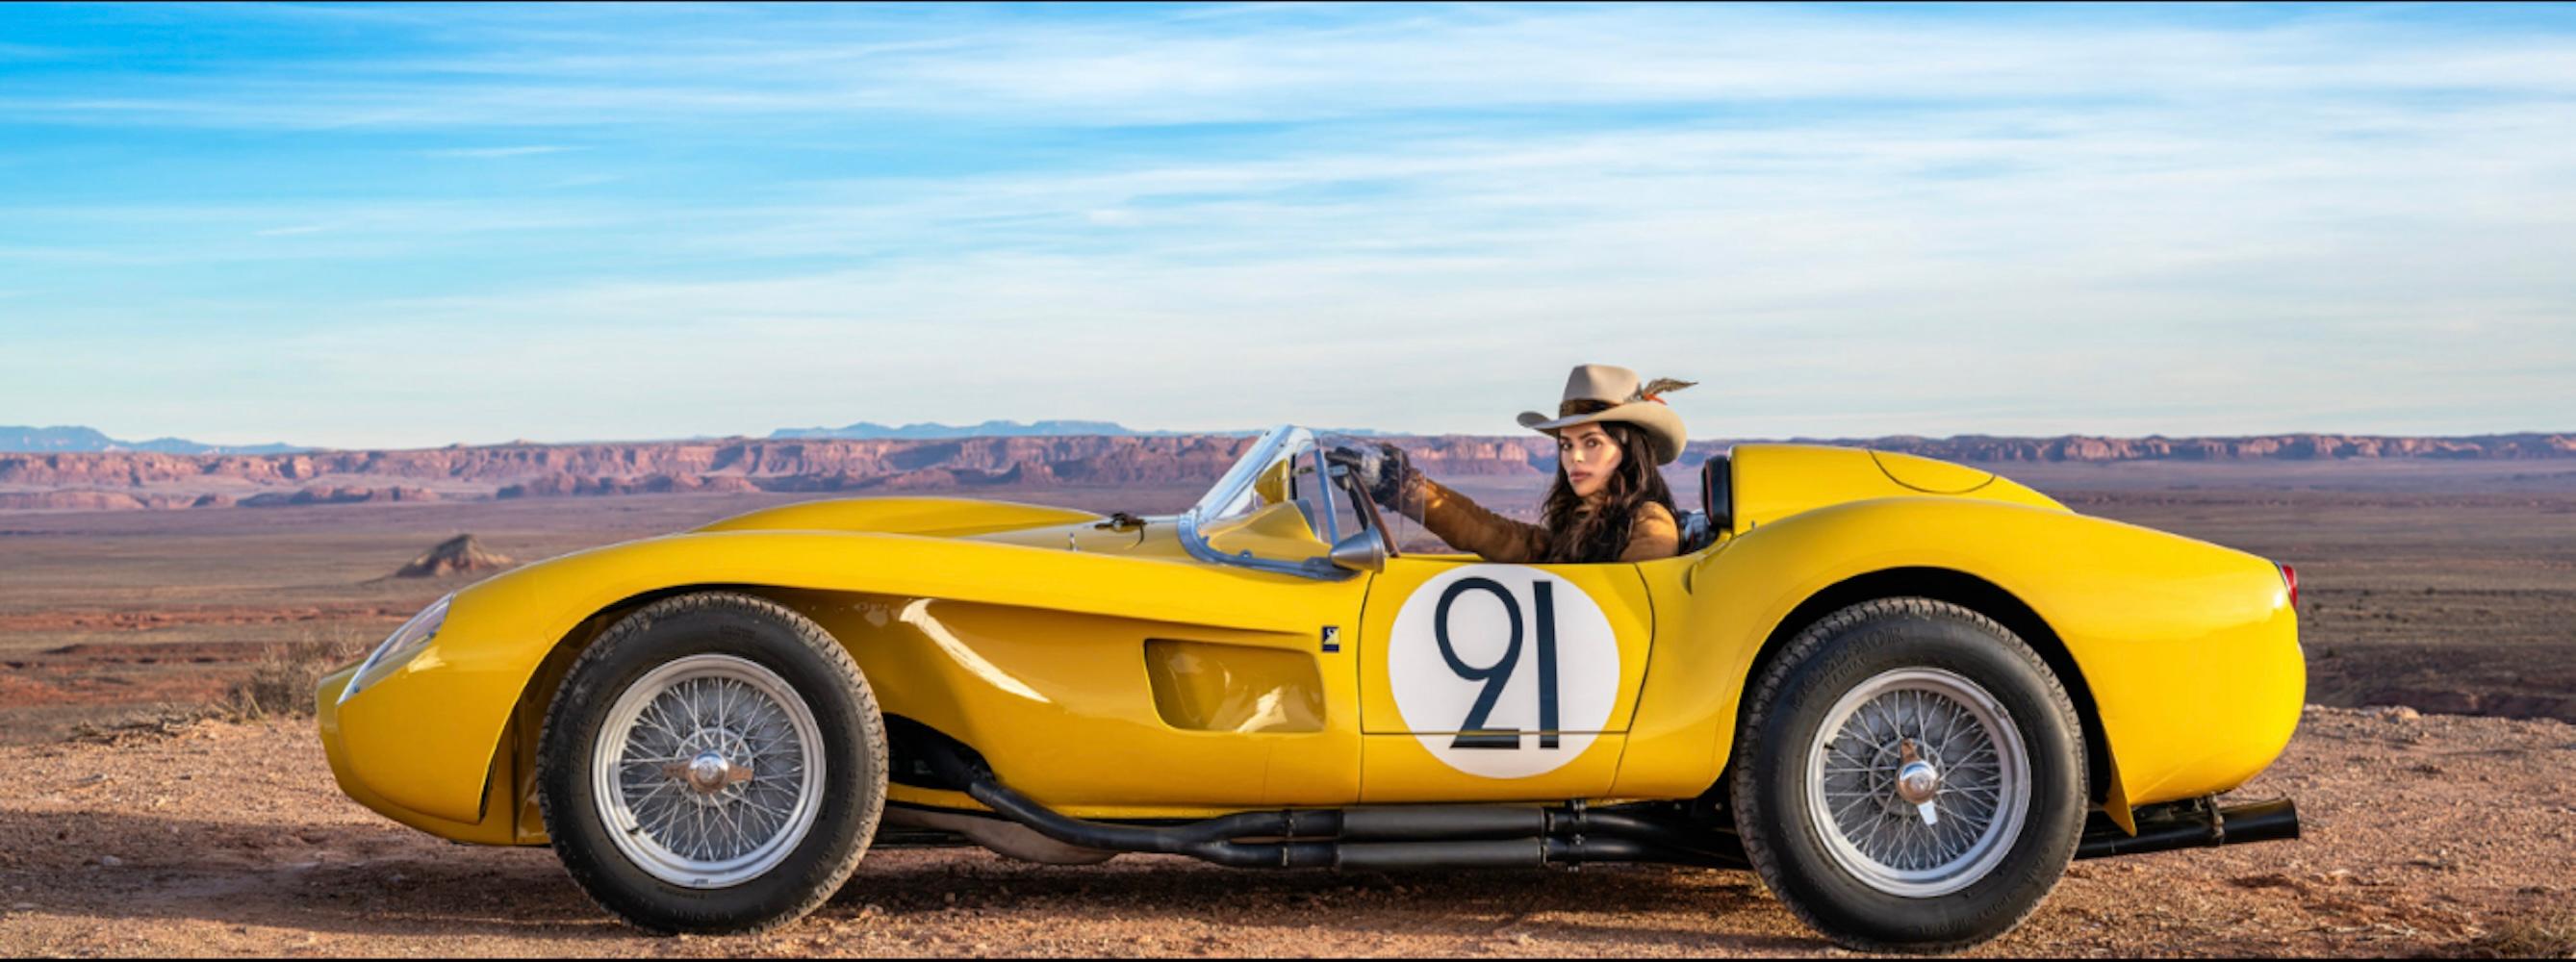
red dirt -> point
(2432, 835)
(176, 616)
(126, 675)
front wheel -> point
(713, 763)
(1910, 777)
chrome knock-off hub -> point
(709, 773)
(1917, 781)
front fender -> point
(2190, 649)
(423, 737)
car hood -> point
(927, 517)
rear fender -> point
(2189, 649)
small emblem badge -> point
(1332, 638)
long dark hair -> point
(1575, 536)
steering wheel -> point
(1349, 484)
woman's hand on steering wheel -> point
(1381, 470)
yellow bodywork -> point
(1108, 673)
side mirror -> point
(1363, 550)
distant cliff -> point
(97, 481)
(870, 430)
(2304, 447)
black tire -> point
(815, 668)
(1773, 759)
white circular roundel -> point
(1502, 671)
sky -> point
(389, 226)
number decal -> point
(1472, 733)
(1502, 670)
(1546, 591)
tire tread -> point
(579, 690)
(1744, 794)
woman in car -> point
(1609, 503)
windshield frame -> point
(1237, 484)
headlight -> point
(399, 647)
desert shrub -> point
(2542, 935)
(281, 682)
(160, 723)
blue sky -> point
(395, 226)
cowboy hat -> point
(1630, 402)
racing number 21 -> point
(1497, 676)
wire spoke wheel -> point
(1910, 776)
(1918, 782)
(713, 762)
(708, 771)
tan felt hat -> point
(1630, 402)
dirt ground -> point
(2448, 587)
(107, 614)
(2432, 835)
(2428, 585)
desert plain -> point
(2443, 827)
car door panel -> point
(1492, 681)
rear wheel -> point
(1910, 777)
(713, 763)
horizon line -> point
(1153, 433)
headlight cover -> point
(399, 647)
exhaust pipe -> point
(1211, 840)
(1394, 837)
(2194, 824)
(1504, 853)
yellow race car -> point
(1903, 692)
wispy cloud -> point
(500, 70)
(1845, 220)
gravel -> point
(2431, 834)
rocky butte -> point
(136, 480)
(457, 555)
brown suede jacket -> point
(1467, 526)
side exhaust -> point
(1482, 836)
(1393, 837)
(2197, 823)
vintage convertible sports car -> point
(1905, 693)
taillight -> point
(2290, 580)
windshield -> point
(1277, 509)
(1234, 494)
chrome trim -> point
(1324, 484)
(1239, 478)
(390, 655)
(708, 772)
(1231, 488)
